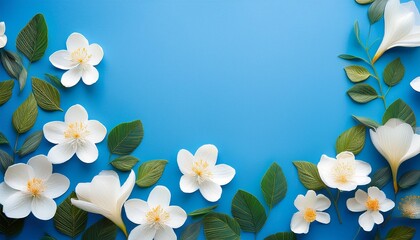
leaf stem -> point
(255, 235)
(357, 233)
(15, 147)
(335, 202)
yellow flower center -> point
(35, 186)
(76, 131)
(372, 204)
(201, 169)
(343, 171)
(81, 55)
(410, 206)
(309, 215)
(157, 216)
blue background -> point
(259, 79)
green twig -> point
(335, 202)
(15, 147)
(357, 233)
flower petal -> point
(56, 186)
(143, 232)
(5, 192)
(18, 205)
(18, 175)
(160, 195)
(361, 196)
(90, 74)
(414, 148)
(71, 77)
(2, 28)
(83, 191)
(377, 217)
(211, 191)
(323, 217)
(366, 221)
(54, 132)
(298, 224)
(386, 205)
(188, 184)
(62, 59)
(165, 233)
(127, 188)
(185, 161)
(76, 113)
(41, 167)
(300, 202)
(3, 41)
(322, 202)
(97, 131)
(310, 198)
(136, 210)
(415, 84)
(61, 153)
(362, 168)
(87, 152)
(43, 208)
(105, 191)
(375, 193)
(75, 41)
(177, 216)
(223, 174)
(97, 53)
(354, 206)
(89, 207)
(207, 153)
(325, 166)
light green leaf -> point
(46, 95)
(394, 72)
(409, 179)
(350, 57)
(9, 226)
(372, 124)
(282, 236)
(102, 230)
(248, 212)
(150, 172)
(309, 175)
(69, 219)
(399, 109)
(274, 185)
(124, 163)
(202, 211)
(363, 2)
(352, 140)
(219, 226)
(6, 89)
(54, 81)
(376, 10)
(125, 137)
(5, 160)
(357, 32)
(14, 67)
(362, 93)
(381, 177)
(32, 40)
(401, 233)
(192, 231)
(31, 143)
(357, 73)
(3, 139)
(24, 117)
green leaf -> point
(46, 95)
(3, 139)
(248, 212)
(381, 177)
(309, 175)
(9, 226)
(192, 231)
(32, 40)
(394, 72)
(401, 233)
(362, 93)
(409, 179)
(350, 57)
(357, 73)
(54, 80)
(6, 89)
(282, 236)
(274, 185)
(376, 10)
(202, 211)
(5, 160)
(372, 124)
(352, 140)
(219, 226)
(363, 2)
(69, 219)
(124, 163)
(14, 67)
(47, 237)
(399, 109)
(125, 137)
(357, 32)
(25, 116)
(102, 230)
(150, 172)
(31, 143)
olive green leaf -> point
(47, 237)
(282, 236)
(31, 143)
(394, 72)
(6, 89)
(32, 40)
(409, 179)
(54, 80)
(274, 185)
(309, 175)
(10, 226)
(352, 140)
(124, 163)
(372, 124)
(381, 177)
(357, 32)
(401, 233)
(150, 172)
(202, 211)
(399, 109)
(5, 160)
(46, 95)
(125, 138)
(363, 2)
(248, 211)
(219, 226)
(25, 116)
(104, 229)
(192, 231)
(362, 93)
(350, 57)
(376, 10)
(357, 73)
(14, 67)
(3, 139)
(69, 219)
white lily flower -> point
(3, 37)
(76, 135)
(345, 172)
(410, 206)
(371, 203)
(201, 172)
(79, 59)
(311, 207)
(31, 188)
(402, 26)
(105, 196)
(396, 142)
(155, 217)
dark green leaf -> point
(54, 80)
(394, 72)
(32, 40)
(5, 160)
(31, 144)
(69, 219)
(274, 185)
(352, 140)
(6, 89)
(363, 2)
(219, 226)
(192, 231)
(46, 95)
(381, 177)
(399, 109)
(282, 236)
(376, 10)
(248, 212)
(409, 179)
(124, 163)
(401, 233)
(309, 175)
(367, 122)
(102, 230)
(25, 116)
(14, 67)
(350, 57)
(125, 137)
(9, 226)
(202, 211)
(3, 139)
(362, 93)
(150, 172)
(47, 237)
(357, 73)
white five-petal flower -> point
(105, 196)
(310, 209)
(201, 172)
(76, 135)
(31, 188)
(79, 59)
(345, 172)
(3, 37)
(371, 203)
(155, 217)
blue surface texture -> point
(261, 80)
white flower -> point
(310, 209)
(155, 217)
(402, 26)
(371, 203)
(3, 37)
(201, 172)
(345, 172)
(79, 59)
(105, 196)
(397, 142)
(410, 206)
(31, 188)
(76, 135)
(415, 84)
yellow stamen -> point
(343, 171)
(81, 55)
(35, 186)
(372, 204)
(201, 169)
(309, 215)
(76, 130)
(157, 215)
(410, 206)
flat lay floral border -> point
(30, 188)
